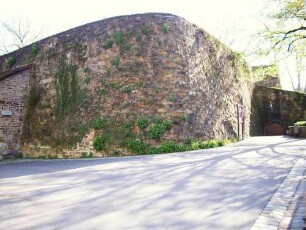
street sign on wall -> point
(6, 113)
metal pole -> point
(238, 119)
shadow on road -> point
(215, 189)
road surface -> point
(221, 188)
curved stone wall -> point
(123, 71)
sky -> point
(234, 22)
(222, 18)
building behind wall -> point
(14, 85)
(274, 109)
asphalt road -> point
(221, 188)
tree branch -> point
(295, 40)
(295, 30)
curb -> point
(297, 222)
(280, 210)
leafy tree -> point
(287, 30)
(285, 36)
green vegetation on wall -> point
(10, 61)
(99, 142)
(165, 27)
(122, 133)
(70, 97)
(34, 49)
(158, 128)
(68, 92)
(242, 69)
(108, 44)
(139, 147)
(122, 39)
(143, 122)
(33, 97)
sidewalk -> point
(297, 222)
(286, 209)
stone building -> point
(13, 88)
(121, 78)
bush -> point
(159, 127)
(221, 142)
(184, 117)
(196, 145)
(115, 62)
(142, 122)
(86, 69)
(50, 156)
(138, 147)
(10, 61)
(300, 123)
(82, 128)
(118, 37)
(205, 144)
(34, 97)
(126, 89)
(165, 27)
(158, 119)
(99, 143)
(19, 155)
(167, 124)
(101, 91)
(100, 123)
(87, 80)
(35, 49)
(156, 131)
(212, 143)
(86, 155)
(169, 147)
(108, 44)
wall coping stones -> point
(11, 72)
(84, 27)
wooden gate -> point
(275, 129)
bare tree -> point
(17, 34)
(297, 77)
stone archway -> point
(274, 128)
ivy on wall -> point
(68, 92)
(69, 98)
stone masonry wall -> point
(13, 90)
(124, 69)
(269, 81)
(270, 104)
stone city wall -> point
(110, 77)
(274, 105)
